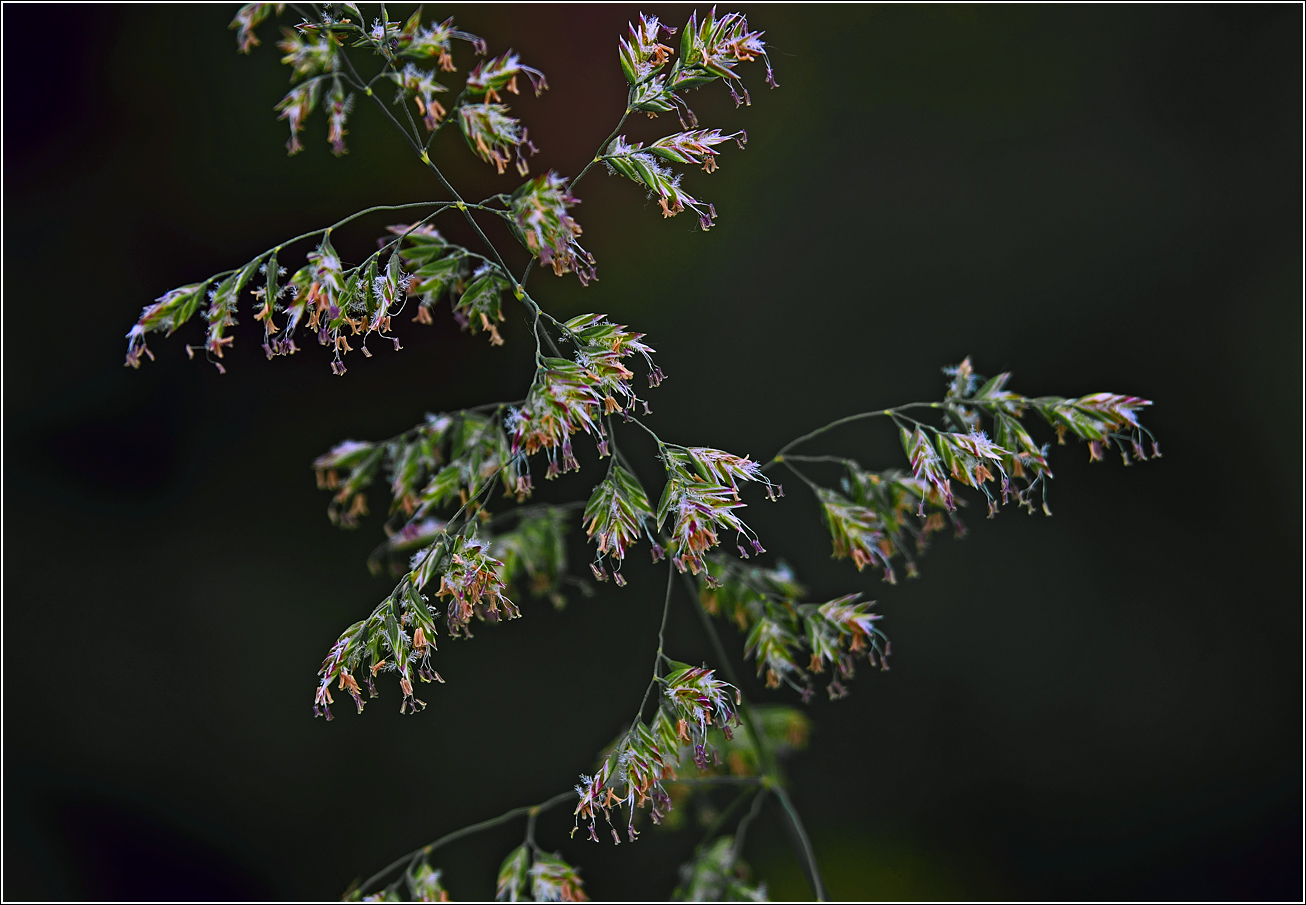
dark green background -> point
(1102, 704)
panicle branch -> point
(453, 567)
(877, 517)
(700, 498)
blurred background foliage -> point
(1103, 704)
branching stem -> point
(529, 810)
(848, 419)
(771, 779)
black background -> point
(1102, 704)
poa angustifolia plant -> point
(463, 542)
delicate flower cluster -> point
(631, 774)
(386, 642)
(474, 574)
(639, 165)
(871, 528)
(1099, 419)
(600, 347)
(539, 211)
(717, 467)
(697, 146)
(314, 50)
(855, 531)
(434, 42)
(700, 512)
(717, 875)
(339, 303)
(563, 400)
(833, 633)
(332, 298)
(385, 36)
(616, 512)
(494, 136)
(967, 458)
(470, 577)
(709, 50)
(971, 458)
(547, 877)
(421, 86)
(641, 54)
(310, 49)
(713, 48)
(702, 494)
(700, 700)
(595, 797)
(640, 769)
(248, 18)
(491, 76)
(480, 306)
(439, 268)
(359, 460)
(471, 447)
(340, 107)
(447, 458)
(766, 604)
(885, 515)
(345, 652)
(695, 719)
(168, 312)
(425, 886)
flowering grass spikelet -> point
(491, 76)
(494, 136)
(539, 211)
(421, 86)
(480, 305)
(514, 876)
(772, 644)
(711, 49)
(601, 347)
(470, 577)
(554, 880)
(249, 17)
(641, 166)
(425, 883)
(700, 497)
(439, 269)
(309, 50)
(340, 107)
(169, 311)
(563, 400)
(641, 54)
(435, 41)
(616, 512)
(695, 147)
(699, 700)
